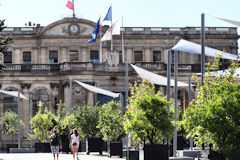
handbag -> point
(74, 144)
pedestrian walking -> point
(56, 144)
(75, 142)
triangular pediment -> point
(69, 26)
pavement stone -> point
(49, 156)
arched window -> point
(10, 102)
(40, 95)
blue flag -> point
(108, 16)
(95, 32)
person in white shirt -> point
(75, 141)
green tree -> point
(65, 121)
(87, 119)
(43, 122)
(111, 121)
(214, 116)
(9, 120)
(147, 119)
(61, 111)
(5, 40)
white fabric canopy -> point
(155, 78)
(190, 47)
(237, 23)
(13, 93)
(98, 90)
(223, 72)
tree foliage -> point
(5, 40)
(87, 119)
(9, 120)
(111, 121)
(43, 122)
(214, 115)
(147, 119)
(64, 121)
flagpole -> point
(73, 9)
(122, 43)
(111, 31)
(100, 45)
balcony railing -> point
(100, 67)
(32, 67)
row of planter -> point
(92, 145)
(149, 152)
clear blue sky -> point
(154, 13)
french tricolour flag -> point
(70, 4)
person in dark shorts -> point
(56, 144)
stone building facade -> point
(41, 61)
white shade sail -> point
(98, 90)
(223, 72)
(155, 78)
(236, 23)
(13, 93)
(190, 47)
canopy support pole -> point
(31, 114)
(175, 99)
(189, 100)
(19, 117)
(202, 46)
(70, 95)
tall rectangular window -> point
(156, 56)
(73, 55)
(120, 56)
(27, 58)
(53, 56)
(94, 56)
(138, 56)
(8, 58)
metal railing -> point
(99, 67)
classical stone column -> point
(85, 55)
(129, 54)
(64, 56)
(162, 90)
(104, 52)
(17, 56)
(164, 56)
(66, 95)
(44, 57)
(147, 56)
(25, 110)
(35, 55)
(54, 99)
(90, 98)
(79, 54)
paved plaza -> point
(49, 156)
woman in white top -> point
(75, 141)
